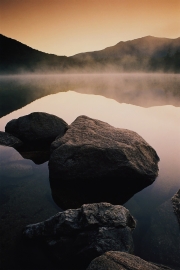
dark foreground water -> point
(25, 194)
(25, 197)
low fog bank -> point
(141, 89)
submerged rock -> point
(9, 140)
(37, 127)
(114, 260)
(99, 162)
(76, 236)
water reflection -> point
(38, 154)
(139, 89)
(159, 126)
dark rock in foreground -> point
(9, 140)
(162, 241)
(99, 162)
(114, 260)
(77, 236)
(37, 127)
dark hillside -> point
(147, 54)
(16, 57)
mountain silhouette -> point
(16, 57)
(148, 54)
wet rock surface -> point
(114, 260)
(37, 127)
(76, 236)
(100, 163)
(7, 139)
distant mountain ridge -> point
(146, 54)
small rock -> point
(114, 260)
(76, 236)
(37, 127)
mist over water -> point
(142, 89)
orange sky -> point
(67, 27)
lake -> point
(146, 104)
(140, 89)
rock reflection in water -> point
(142, 89)
(38, 154)
(68, 195)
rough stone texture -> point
(114, 260)
(76, 236)
(161, 244)
(100, 163)
(9, 140)
(37, 127)
(176, 204)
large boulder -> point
(162, 240)
(77, 236)
(98, 162)
(114, 260)
(37, 127)
(9, 140)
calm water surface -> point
(140, 89)
(25, 193)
